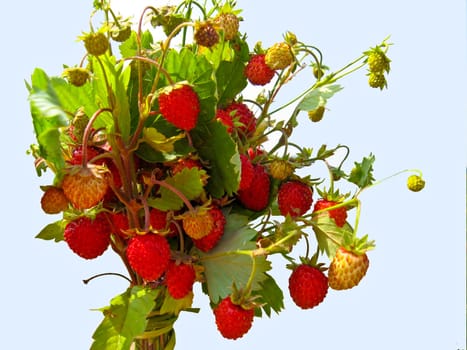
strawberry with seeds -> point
(179, 105)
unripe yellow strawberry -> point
(279, 56)
(378, 62)
(229, 23)
(53, 200)
(120, 34)
(415, 183)
(197, 224)
(84, 188)
(316, 115)
(347, 269)
(96, 43)
(280, 169)
(377, 80)
(76, 76)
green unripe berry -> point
(415, 183)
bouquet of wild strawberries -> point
(157, 154)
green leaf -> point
(215, 145)
(230, 80)
(124, 319)
(362, 173)
(271, 296)
(53, 231)
(174, 306)
(318, 97)
(329, 236)
(129, 48)
(225, 265)
(189, 182)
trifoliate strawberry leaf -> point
(318, 97)
(124, 319)
(215, 145)
(330, 236)
(362, 173)
(53, 231)
(188, 182)
(230, 263)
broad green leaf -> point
(329, 236)
(215, 145)
(225, 266)
(230, 80)
(318, 97)
(124, 319)
(362, 173)
(189, 182)
(53, 231)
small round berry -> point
(415, 183)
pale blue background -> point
(414, 294)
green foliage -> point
(230, 262)
(329, 236)
(362, 173)
(53, 231)
(215, 145)
(189, 182)
(270, 296)
(124, 319)
(318, 97)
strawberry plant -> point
(162, 153)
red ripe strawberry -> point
(339, 214)
(148, 255)
(247, 172)
(120, 223)
(347, 269)
(294, 198)
(233, 321)
(179, 105)
(209, 241)
(180, 279)
(87, 237)
(84, 188)
(257, 71)
(256, 197)
(240, 113)
(158, 221)
(308, 286)
(225, 118)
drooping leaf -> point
(188, 181)
(225, 266)
(215, 145)
(330, 236)
(362, 173)
(318, 97)
(124, 319)
(53, 231)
